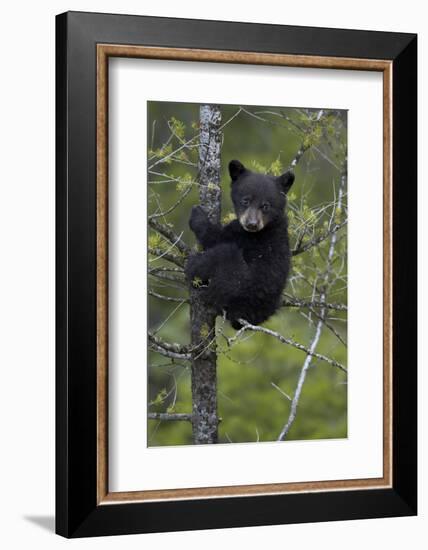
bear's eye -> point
(265, 207)
(245, 202)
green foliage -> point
(275, 168)
(160, 398)
(185, 182)
(178, 127)
(155, 240)
(229, 217)
(197, 282)
(161, 153)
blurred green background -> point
(254, 374)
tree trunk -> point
(204, 359)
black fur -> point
(244, 267)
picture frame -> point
(84, 44)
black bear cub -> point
(244, 267)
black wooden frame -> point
(77, 513)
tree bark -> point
(204, 358)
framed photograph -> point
(236, 274)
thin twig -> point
(300, 382)
(173, 207)
(307, 363)
(173, 153)
(170, 235)
(247, 326)
(282, 392)
(168, 298)
(296, 302)
(167, 255)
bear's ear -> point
(236, 168)
(285, 181)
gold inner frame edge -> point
(104, 51)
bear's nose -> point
(251, 226)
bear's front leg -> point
(206, 232)
(199, 269)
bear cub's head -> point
(259, 199)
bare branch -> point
(298, 127)
(304, 146)
(329, 326)
(165, 269)
(159, 253)
(202, 319)
(173, 153)
(282, 392)
(318, 330)
(166, 278)
(167, 298)
(164, 146)
(304, 247)
(247, 326)
(169, 416)
(298, 155)
(169, 234)
(296, 302)
(172, 350)
(300, 382)
(230, 119)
